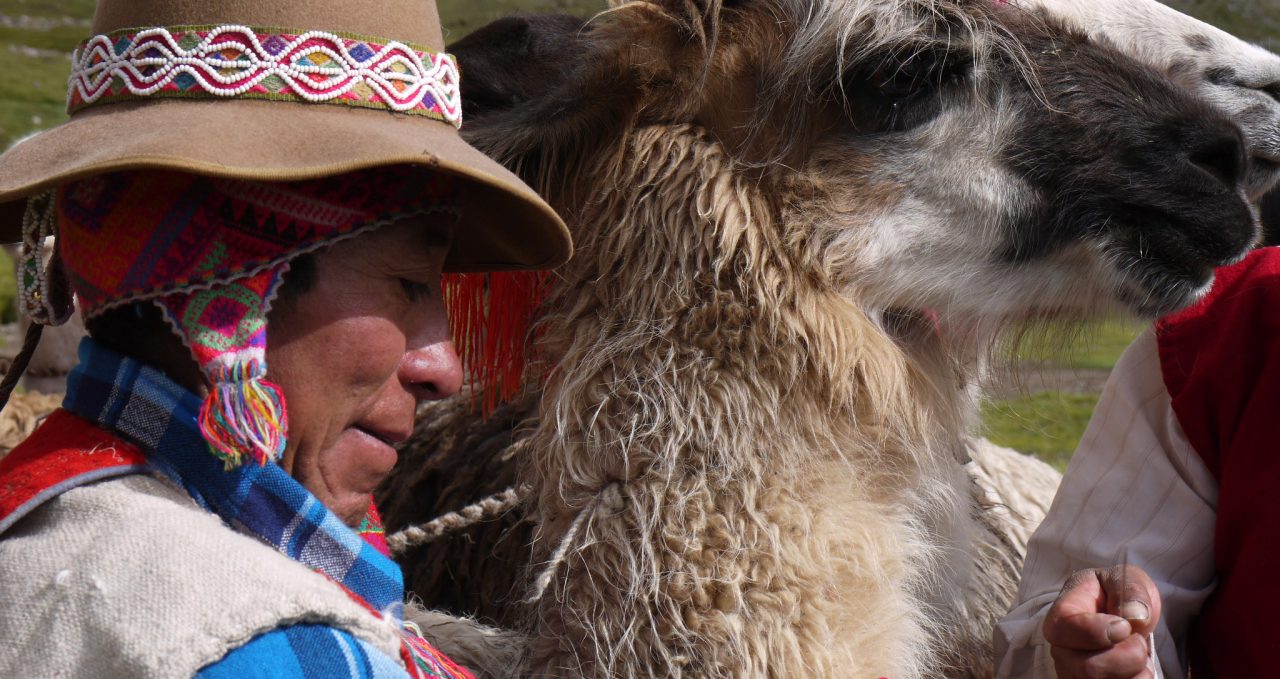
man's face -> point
(356, 353)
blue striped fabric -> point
(141, 404)
(304, 652)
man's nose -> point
(432, 372)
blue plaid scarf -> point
(142, 405)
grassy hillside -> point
(1254, 20)
(35, 38)
(460, 17)
(1044, 406)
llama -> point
(801, 228)
(1241, 79)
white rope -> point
(488, 508)
(611, 498)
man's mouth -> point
(389, 437)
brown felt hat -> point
(283, 136)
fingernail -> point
(1135, 610)
(1118, 630)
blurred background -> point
(1041, 407)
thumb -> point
(1132, 595)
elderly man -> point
(253, 203)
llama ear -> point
(516, 60)
(538, 89)
(705, 8)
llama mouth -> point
(1154, 288)
(1263, 176)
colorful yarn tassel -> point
(491, 316)
(244, 415)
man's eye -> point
(415, 290)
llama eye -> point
(900, 94)
(923, 71)
(901, 81)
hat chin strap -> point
(44, 291)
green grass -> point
(1094, 346)
(1253, 20)
(8, 294)
(33, 90)
(460, 17)
(60, 38)
(1102, 345)
(78, 9)
(1048, 425)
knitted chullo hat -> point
(211, 253)
(264, 93)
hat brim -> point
(506, 225)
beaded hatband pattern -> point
(205, 62)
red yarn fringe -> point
(491, 315)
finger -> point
(1086, 631)
(1077, 620)
(1082, 593)
(1132, 595)
(1126, 660)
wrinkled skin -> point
(355, 354)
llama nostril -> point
(1221, 157)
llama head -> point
(1241, 79)
(961, 156)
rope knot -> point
(609, 497)
(612, 499)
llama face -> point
(1051, 175)
(962, 156)
(1241, 79)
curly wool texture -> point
(728, 401)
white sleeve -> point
(1134, 481)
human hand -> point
(1098, 626)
